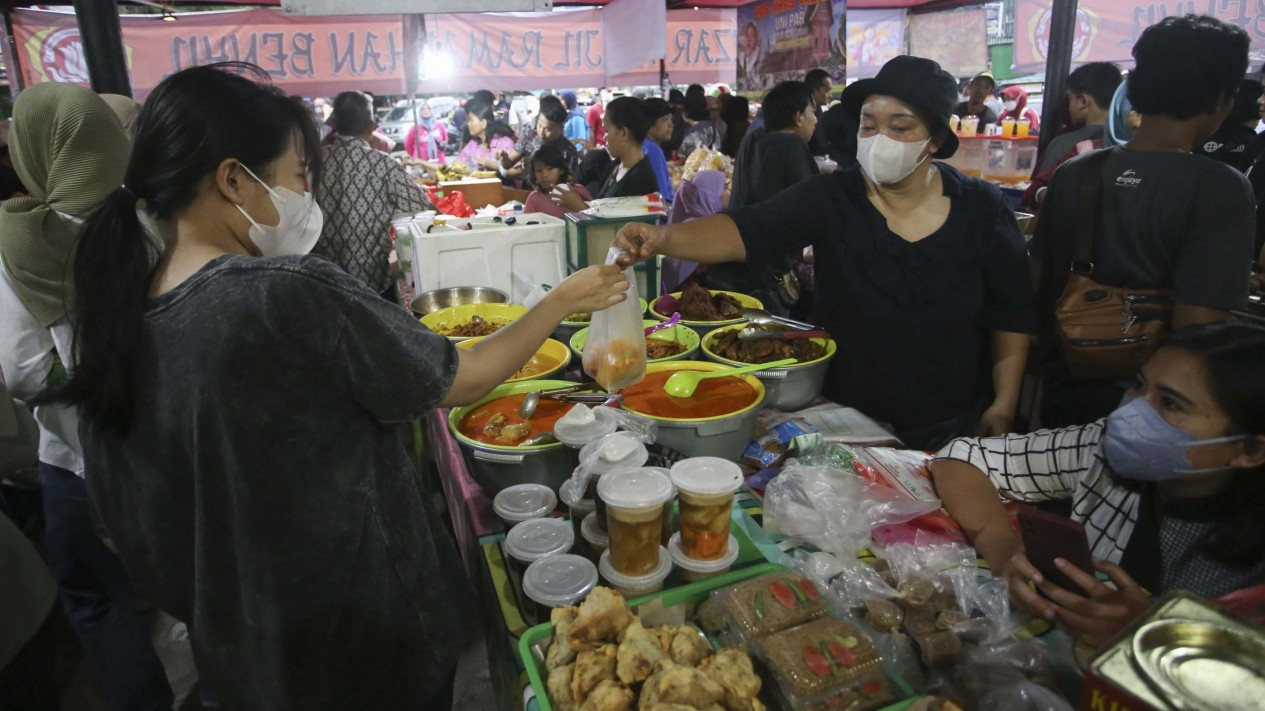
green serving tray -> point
(692, 594)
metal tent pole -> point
(102, 36)
(1058, 63)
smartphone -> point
(1046, 537)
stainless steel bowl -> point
(440, 299)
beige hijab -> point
(69, 150)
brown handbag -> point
(1104, 332)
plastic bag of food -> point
(835, 510)
(615, 352)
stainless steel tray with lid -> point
(1202, 666)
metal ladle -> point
(764, 318)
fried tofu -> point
(639, 652)
(560, 652)
(559, 686)
(732, 670)
(609, 696)
(673, 683)
(688, 647)
(602, 618)
(591, 669)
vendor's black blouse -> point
(639, 180)
(912, 320)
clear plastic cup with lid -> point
(557, 581)
(692, 570)
(634, 518)
(523, 502)
(538, 538)
(614, 452)
(583, 424)
(706, 487)
(597, 539)
(631, 586)
(578, 506)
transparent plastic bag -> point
(615, 352)
(835, 510)
(1023, 696)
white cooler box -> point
(489, 254)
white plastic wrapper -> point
(615, 352)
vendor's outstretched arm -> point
(711, 240)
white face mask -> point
(298, 228)
(1010, 105)
(887, 160)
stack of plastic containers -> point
(704, 546)
(636, 562)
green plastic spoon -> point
(685, 382)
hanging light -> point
(168, 16)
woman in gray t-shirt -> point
(237, 394)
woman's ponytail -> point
(113, 267)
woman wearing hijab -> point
(426, 139)
(1015, 100)
(70, 151)
(699, 197)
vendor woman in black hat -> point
(921, 271)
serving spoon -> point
(764, 318)
(685, 382)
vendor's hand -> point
(640, 241)
(1098, 617)
(997, 420)
(568, 200)
(590, 289)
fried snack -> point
(639, 652)
(609, 696)
(561, 653)
(732, 669)
(559, 686)
(591, 669)
(727, 345)
(884, 615)
(678, 707)
(688, 647)
(603, 617)
(672, 683)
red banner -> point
(309, 56)
(563, 49)
(1106, 30)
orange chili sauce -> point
(714, 397)
(548, 412)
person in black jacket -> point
(771, 159)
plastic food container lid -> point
(559, 580)
(523, 502)
(707, 476)
(636, 489)
(593, 533)
(615, 452)
(573, 498)
(538, 538)
(582, 425)
(643, 584)
(703, 567)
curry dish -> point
(728, 346)
(713, 398)
(498, 422)
(476, 326)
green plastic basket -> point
(691, 594)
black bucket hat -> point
(919, 82)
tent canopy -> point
(672, 4)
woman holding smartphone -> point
(1169, 488)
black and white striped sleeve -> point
(1042, 466)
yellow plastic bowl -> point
(746, 302)
(684, 335)
(584, 324)
(550, 351)
(453, 316)
(710, 340)
(704, 367)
